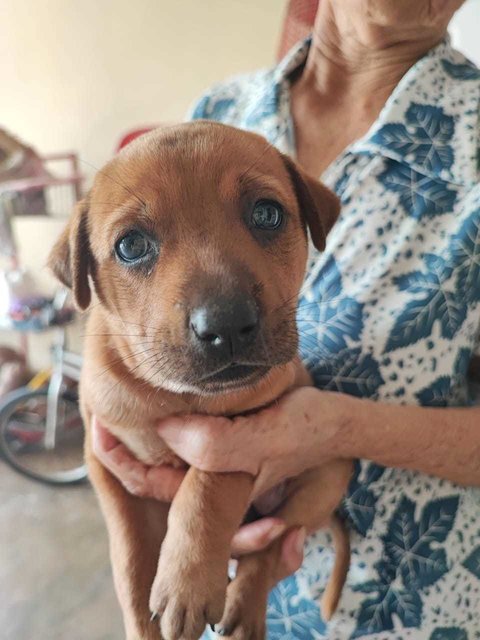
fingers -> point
(117, 459)
(103, 439)
(214, 444)
(139, 479)
(163, 482)
(291, 558)
(257, 535)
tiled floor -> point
(55, 580)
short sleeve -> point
(219, 103)
(199, 108)
(237, 100)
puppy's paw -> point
(187, 600)
(245, 612)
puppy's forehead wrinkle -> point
(211, 147)
(152, 170)
(112, 173)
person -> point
(380, 106)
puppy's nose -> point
(225, 326)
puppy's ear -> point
(318, 205)
(71, 257)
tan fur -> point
(190, 187)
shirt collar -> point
(431, 119)
(292, 60)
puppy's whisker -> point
(143, 326)
(113, 204)
(130, 372)
(158, 366)
(119, 335)
(117, 182)
(111, 364)
(146, 381)
(146, 327)
(166, 373)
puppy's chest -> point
(131, 412)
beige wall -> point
(75, 74)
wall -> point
(75, 74)
(465, 30)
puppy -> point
(194, 241)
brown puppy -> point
(194, 241)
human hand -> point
(300, 431)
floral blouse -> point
(390, 311)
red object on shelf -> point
(298, 23)
(131, 135)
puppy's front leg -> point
(136, 528)
(190, 585)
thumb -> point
(187, 436)
(209, 443)
(291, 557)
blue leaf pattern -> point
(263, 108)
(331, 321)
(441, 390)
(213, 110)
(461, 71)
(420, 196)
(465, 249)
(448, 633)
(349, 371)
(290, 616)
(436, 394)
(408, 544)
(472, 563)
(358, 506)
(425, 137)
(376, 614)
(408, 553)
(436, 304)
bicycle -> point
(41, 429)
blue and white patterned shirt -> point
(390, 311)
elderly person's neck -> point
(363, 56)
(360, 50)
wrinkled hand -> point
(299, 432)
(162, 483)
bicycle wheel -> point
(24, 443)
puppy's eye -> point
(267, 214)
(132, 247)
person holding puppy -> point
(380, 106)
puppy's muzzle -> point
(225, 328)
(225, 335)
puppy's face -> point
(194, 239)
